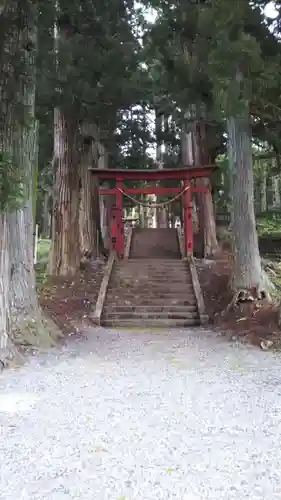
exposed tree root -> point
(39, 332)
(252, 295)
(10, 355)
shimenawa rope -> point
(155, 205)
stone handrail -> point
(197, 291)
(96, 316)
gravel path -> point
(143, 416)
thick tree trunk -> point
(161, 213)
(65, 251)
(206, 214)
(22, 322)
(106, 202)
(8, 352)
(8, 90)
(87, 222)
(186, 149)
(29, 326)
(94, 155)
(188, 159)
(89, 219)
(263, 190)
(211, 246)
(247, 272)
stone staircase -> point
(153, 288)
(155, 243)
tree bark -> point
(88, 230)
(263, 189)
(10, 47)
(186, 149)
(89, 218)
(65, 249)
(106, 202)
(8, 352)
(161, 214)
(211, 246)
(22, 322)
(247, 271)
(206, 214)
(29, 326)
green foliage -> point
(114, 67)
(267, 226)
(11, 184)
(97, 59)
(43, 251)
(222, 54)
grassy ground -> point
(43, 251)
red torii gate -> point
(187, 188)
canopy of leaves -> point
(221, 54)
(107, 64)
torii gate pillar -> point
(119, 218)
(187, 219)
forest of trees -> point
(81, 82)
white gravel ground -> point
(143, 416)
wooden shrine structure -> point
(185, 177)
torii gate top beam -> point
(154, 174)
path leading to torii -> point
(143, 415)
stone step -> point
(164, 295)
(119, 302)
(155, 242)
(152, 265)
(128, 300)
(171, 288)
(183, 280)
(143, 280)
(146, 262)
(151, 315)
(155, 252)
(139, 271)
(175, 276)
(150, 308)
(170, 263)
(150, 323)
(151, 290)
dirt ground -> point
(71, 301)
(253, 323)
